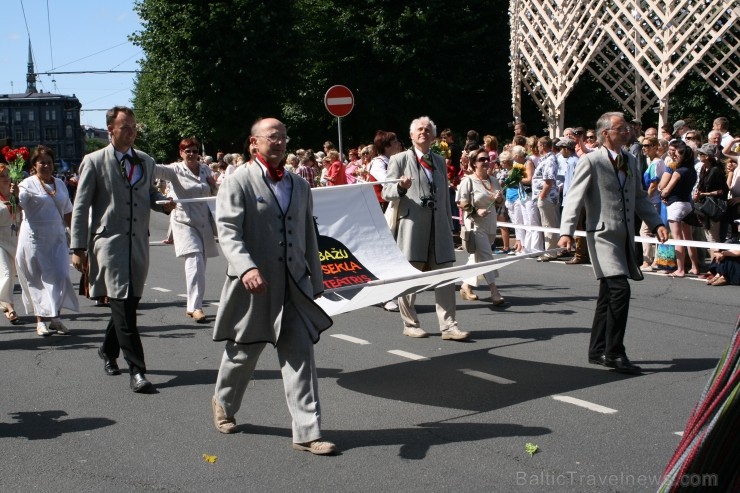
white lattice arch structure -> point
(639, 50)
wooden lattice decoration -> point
(639, 50)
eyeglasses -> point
(621, 130)
(275, 139)
(649, 145)
(190, 151)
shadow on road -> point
(481, 381)
(416, 441)
(46, 425)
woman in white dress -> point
(191, 222)
(42, 257)
(478, 195)
(8, 243)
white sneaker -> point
(391, 306)
(42, 329)
(416, 332)
(56, 324)
(455, 334)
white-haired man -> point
(425, 229)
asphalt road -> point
(457, 417)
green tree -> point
(93, 144)
(209, 70)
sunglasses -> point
(692, 137)
(482, 160)
(590, 136)
(577, 133)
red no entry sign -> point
(339, 101)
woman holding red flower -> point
(8, 243)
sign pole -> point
(339, 102)
(339, 128)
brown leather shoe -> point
(576, 261)
(223, 423)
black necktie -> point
(132, 166)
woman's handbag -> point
(711, 207)
(468, 240)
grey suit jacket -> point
(254, 233)
(417, 224)
(111, 221)
(610, 213)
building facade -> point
(32, 118)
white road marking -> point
(350, 339)
(162, 289)
(404, 354)
(182, 295)
(679, 433)
(588, 405)
(214, 303)
(486, 376)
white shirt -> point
(138, 171)
(282, 189)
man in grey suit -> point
(268, 236)
(110, 221)
(608, 185)
(424, 224)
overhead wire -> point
(51, 45)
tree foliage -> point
(212, 67)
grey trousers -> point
(296, 357)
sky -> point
(72, 35)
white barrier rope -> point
(639, 239)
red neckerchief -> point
(276, 174)
(424, 163)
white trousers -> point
(7, 279)
(516, 217)
(195, 280)
(533, 240)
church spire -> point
(31, 75)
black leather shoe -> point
(622, 364)
(139, 383)
(109, 366)
(597, 360)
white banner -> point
(361, 262)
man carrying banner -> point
(424, 224)
(267, 234)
